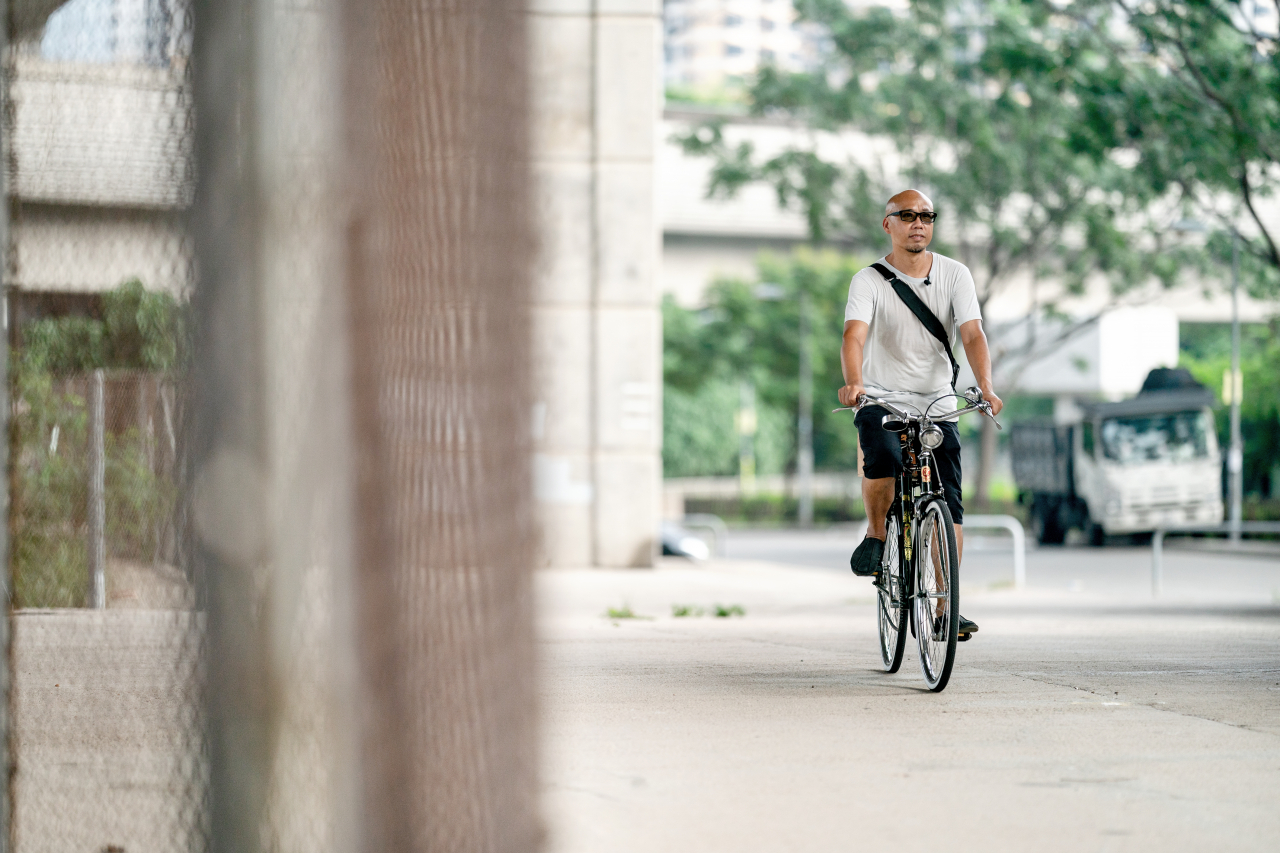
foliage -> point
(138, 330)
(1206, 352)
(49, 442)
(699, 438)
(1189, 89)
(981, 107)
(740, 336)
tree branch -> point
(1273, 255)
(1237, 121)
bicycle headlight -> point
(931, 436)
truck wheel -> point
(1046, 525)
(1096, 534)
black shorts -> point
(882, 455)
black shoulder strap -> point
(930, 320)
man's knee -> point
(877, 487)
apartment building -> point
(712, 45)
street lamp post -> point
(804, 419)
(1235, 455)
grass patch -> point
(720, 611)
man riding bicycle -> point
(890, 353)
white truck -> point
(1125, 467)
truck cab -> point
(1146, 463)
(1124, 467)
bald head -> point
(908, 199)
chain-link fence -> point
(94, 512)
(105, 730)
(269, 526)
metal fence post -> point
(1019, 556)
(1011, 524)
(97, 596)
(1157, 562)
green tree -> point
(749, 333)
(979, 104)
(1206, 352)
(1190, 91)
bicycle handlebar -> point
(972, 396)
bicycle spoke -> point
(934, 596)
(890, 602)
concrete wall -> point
(101, 134)
(598, 422)
(101, 171)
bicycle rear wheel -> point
(937, 593)
(892, 597)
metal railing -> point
(1226, 529)
(714, 523)
(1011, 524)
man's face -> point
(912, 237)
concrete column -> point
(597, 423)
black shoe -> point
(866, 558)
(967, 629)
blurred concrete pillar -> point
(598, 347)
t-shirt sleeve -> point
(862, 298)
(964, 298)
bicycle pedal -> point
(963, 637)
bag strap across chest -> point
(930, 320)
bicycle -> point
(920, 534)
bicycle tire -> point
(936, 545)
(892, 598)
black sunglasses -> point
(910, 216)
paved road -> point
(1190, 574)
(1083, 716)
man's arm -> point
(975, 347)
(855, 338)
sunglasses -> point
(910, 216)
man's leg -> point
(881, 455)
(877, 497)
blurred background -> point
(1092, 167)
(272, 272)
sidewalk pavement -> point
(1074, 721)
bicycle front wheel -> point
(937, 593)
(892, 597)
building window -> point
(732, 50)
(767, 25)
(733, 20)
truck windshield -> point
(1176, 437)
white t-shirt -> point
(901, 361)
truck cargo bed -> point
(1042, 458)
